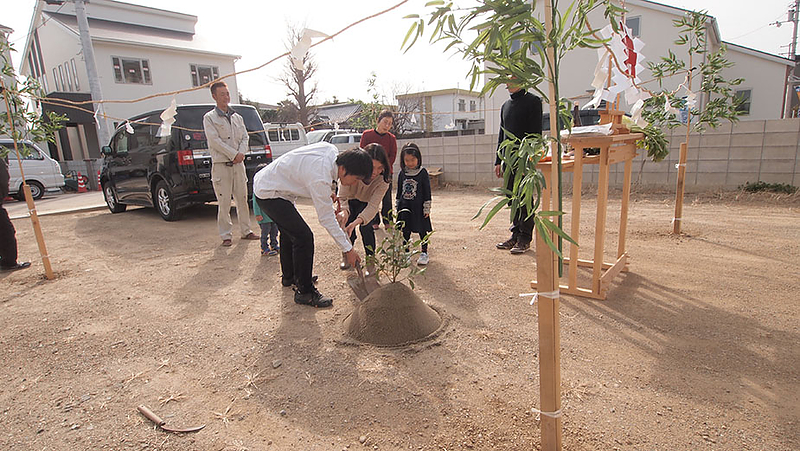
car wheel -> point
(111, 199)
(165, 202)
(37, 190)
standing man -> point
(521, 115)
(308, 171)
(8, 238)
(227, 142)
(380, 135)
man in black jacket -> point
(521, 115)
(8, 239)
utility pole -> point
(788, 83)
(91, 71)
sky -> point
(257, 30)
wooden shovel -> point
(362, 286)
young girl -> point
(414, 196)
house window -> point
(61, 78)
(462, 105)
(75, 74)
(472, 105)
(203, 74)
(55, 78)
(131, 70)
(67, 76)
(634, 24)
(745, 96)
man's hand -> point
(350, 227)
(238, 158)
(426, 215)
(341, 218)
(259, 218)
(352, 257)
(498, 171)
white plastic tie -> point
(549, 295)
(556, 414)
(678, 165)
(675, 219)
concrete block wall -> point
(722, 158)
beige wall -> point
(725, 158)
(763, 77)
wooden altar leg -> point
(600, 225)
(623, 215)
(577, 183)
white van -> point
(285, 137)
(346, 141)
(41, 172)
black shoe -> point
(290, 282)
(22, 265)
(313, 298)
(507, 244)
(520, 248)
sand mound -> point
(391, 315)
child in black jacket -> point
(414, 197)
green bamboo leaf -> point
(411, 30)
(493, 212)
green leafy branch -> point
(392, 257)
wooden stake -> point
(37, 228)
(676, 221)
(547, 276)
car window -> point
(26, 151)
(273, 135)
(121, 141)
(338, 139)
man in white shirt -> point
(227, 142)
(309, 171)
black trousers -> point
(8, 240)
(367, 232)
(386, 207)
(521, 228)
(407, 236)
(297, 242)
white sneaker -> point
(423, 259)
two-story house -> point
(652, 22)
(139, 51)
(445, 109)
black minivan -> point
(171, 172)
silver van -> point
(41, 172)
(285, 137)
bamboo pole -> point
(548, 306)
(37, 227)
(678, 218)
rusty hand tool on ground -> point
(161, 423)
(362, 286)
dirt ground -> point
(696, 346)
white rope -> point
(549, 295)
(556, 414)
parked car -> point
(346, 141)
(285, 137)
(316, 136)
(587, 117)
(42, 173)
(171, 172)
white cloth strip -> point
(550, 295)
(556, 414)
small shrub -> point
(393, 255)
(760, 186)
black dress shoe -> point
(313, 298)
(22, 265)
(507, 244)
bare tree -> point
(300, 96)
(406, 108)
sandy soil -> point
(695, 348)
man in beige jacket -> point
(227, 142)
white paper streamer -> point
(300, 48)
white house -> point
(5, 32)
(139, 51)
(446, 109)
(652, 22)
